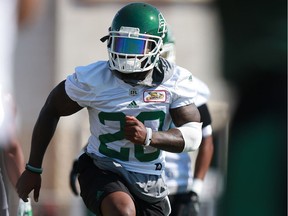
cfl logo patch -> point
(133, 92)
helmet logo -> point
(162, 24)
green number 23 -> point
(123, 154)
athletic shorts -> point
(182, 204)
(96, 183)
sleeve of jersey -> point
(78, 90)
(184, 91)
(206, 119)
(203, 92)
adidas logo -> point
(133, 105)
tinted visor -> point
(130, 45)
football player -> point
(185, 187)
(121, 171)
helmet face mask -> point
(135, 38)
(130, 51)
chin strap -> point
(105, 38)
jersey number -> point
(123, 154)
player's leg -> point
(160, 208)
(118, 203)
(176, 204)
(103, 192)
(184, 205)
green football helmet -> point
(136, 38)
(169, 50)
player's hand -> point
(27, 182)
(195, 204)
(73, 177)
(134, 130)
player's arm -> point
(74, 172)
(205, 152)
(12, 152)
(204, 157)
(172, 140)
(13, 160)
(57, 104)
(206, 148)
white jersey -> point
(178, 171)
(203, 92)
(109, 99)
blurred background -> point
(64, 34)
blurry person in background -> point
(131, 99)
(11, 151)
(255, 65)
(14, 15)
(11, 155)
(185, 187)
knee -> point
(118, 204)
(124, 210)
